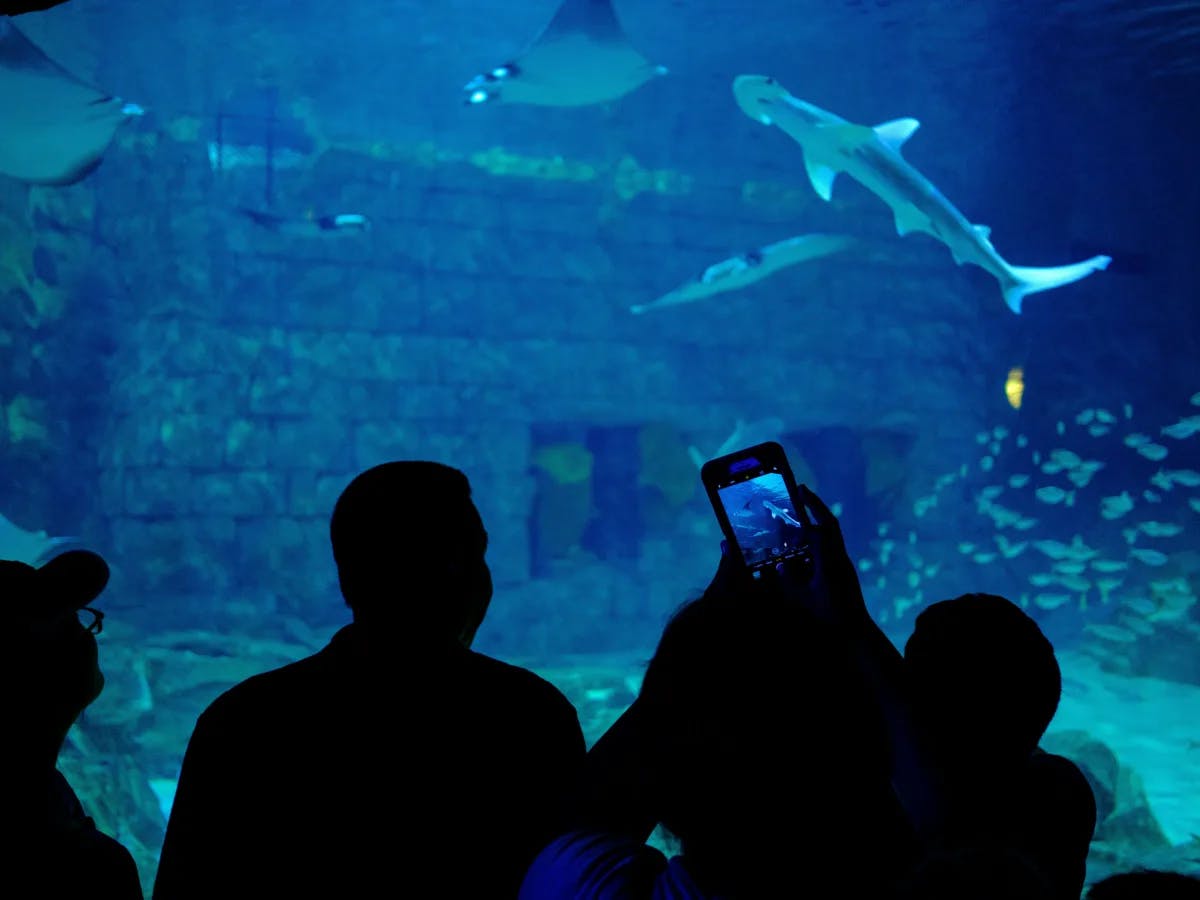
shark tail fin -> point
(1031, 279)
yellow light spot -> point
(1014, 386)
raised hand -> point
(829, 584)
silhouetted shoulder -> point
(521, 681)
(1058, 782)
(61, 853)
(1058, 819)
(297, 682)
(461, 743)
(335, 675)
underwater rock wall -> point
(483, 319)
(55, 342)
(256, 372)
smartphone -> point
(753, 493)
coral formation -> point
(24, 421)
(664, 465)
(565, 463)
(16, 254)
(630, 179)
(498, 161)
(562, 506)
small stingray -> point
(755, 265)
(582, 57)
(54, 128)
(34, 548)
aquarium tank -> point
(577, 248)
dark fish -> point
(54, 127)
(309, 225)
(582, 57)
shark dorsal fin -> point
(822, 177)
(896, 132)
(984, 232)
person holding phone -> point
(758, 739)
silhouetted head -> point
(409, 546)
(984, 678)
(49, 667)
(1146, 884)
(762, 737)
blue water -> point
(187, 391)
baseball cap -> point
(66, 583)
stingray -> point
(582, 57)
(54, 127)
(747, 268)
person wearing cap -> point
(50, 671)
(395, 761)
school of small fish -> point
(1140, 573)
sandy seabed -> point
(1153, 726)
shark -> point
(581, 58)
(54, 127)
(749, 267)
(778, 512)
(872, 156)
(744, 434)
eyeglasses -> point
(92, 620)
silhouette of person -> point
(50, 671)
(985, 684)
(758, 741)
(983, 872)
(1146, 884)
(395, 761)
(18, 7)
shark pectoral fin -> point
(909, 220)
(822, 177)
(896, 132)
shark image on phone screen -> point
(763, 518)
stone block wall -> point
(227, 381)
(256, 373)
